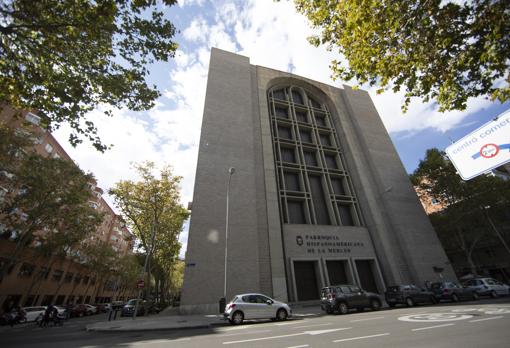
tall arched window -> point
(313, 182)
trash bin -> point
(223, 304)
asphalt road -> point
(484, 323)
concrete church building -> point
(319, 195)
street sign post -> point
(482, 150)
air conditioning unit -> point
(32, 118)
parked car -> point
(452, 291)
(34, 312)
(83, 309)
(255, 306)
(341, 298)
(129, 308)
(118, 305)
(91, 309)
(488, 287)
(409, 295)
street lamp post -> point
(231, 171)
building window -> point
(292, 181)
(434, 201)
(77, 279)
(69, 277)
(281, 112)
(301, 116)
(284, 132)
(44, 272)
(26, 270)
(57, 275)
(306, 136)
(296, 212)
(310, 158)
(34, 119)
(86, 280)
(288, 155)
(297, 98)
(279, 94)
(311, 186)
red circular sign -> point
(140, 284)
(489, 150)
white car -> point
(255, 306)
(91, 309)
(488, 286)
(34, 312)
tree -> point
(437, 50)
(47, 203)
(152, 205)
(464, 222)
(66, 57)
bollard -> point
(115, 316)
(110, 315)
(222, 304)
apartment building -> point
(30, 281)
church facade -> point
(318, 195)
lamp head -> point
(231, 170)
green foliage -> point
(436, 50)
(47, 200)
(66, 57)
(153, 202)
(464, 222)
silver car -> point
(488, 287)
(255, 306)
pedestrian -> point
(47, 315)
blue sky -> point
(273, 35)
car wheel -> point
(281, 314)
(342, 308)
(409, 302)
(455, 298)
(237, 318)
(475, 296)
(494, 294)
(375, 305)
(392, 305)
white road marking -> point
(318, 332)
(477, 320)
(432, 327)
(264, 338)
(243, 333)
(292, 322)
(360, 337)
(374, 318)
(305, 326)
(304, 345)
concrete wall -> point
(227, 140)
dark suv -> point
(408, 295)
(453, 292)
(341, 298)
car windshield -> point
(436, 285)
(325, 292)
(131, 302)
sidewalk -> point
(164, 321)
